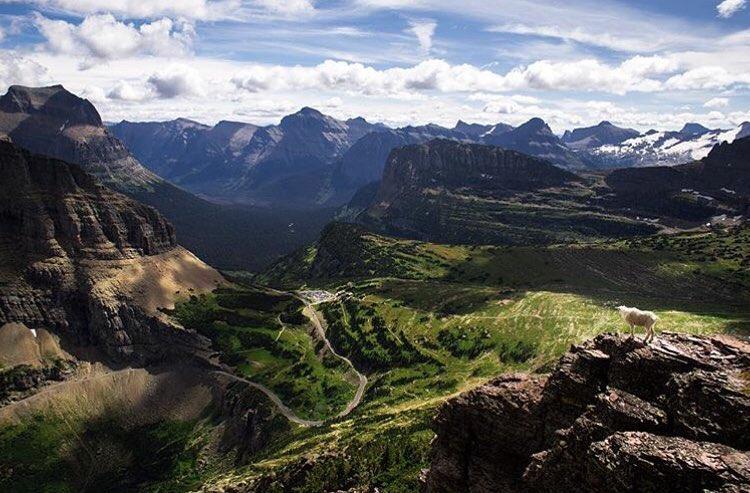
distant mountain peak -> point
(535, 122)
(478, 129)
(694, 129)
(535, 125)
(308, 111)
(305, 116)
(604, 133)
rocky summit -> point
(614, 415)
(55, 122)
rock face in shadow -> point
(66, 245)
(717, 184)
(615, 415)
(55, 208)
(445, 191)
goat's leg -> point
(632, 331)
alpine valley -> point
(325, 305)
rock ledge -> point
(615, 415)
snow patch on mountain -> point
(665, 148)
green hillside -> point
(425, 321)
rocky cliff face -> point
(56, 209)
(452, 192)
(614, 415)
(89, 264)
(451, 165)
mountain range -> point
(311, 160)
(453, 192)
(54, 122)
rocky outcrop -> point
(452, 165)
(22, 381)
(79, 260)
(614, 415)
(445, 191)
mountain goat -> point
(634, 316)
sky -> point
(639, 63)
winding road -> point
(288, 413)
(319, 327)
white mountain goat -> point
(634, 316)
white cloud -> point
(15, 69)
(146, 9)
(334, 102)
(707, 78)
(584, 75)
(519, 98)
(2, 34)
(510, 105)
(579, 35)
(637, 74)
(177, 80)
(648, 66)
(95, 94)
(424, 30)
(102, 37)
(286, 7)
(728, 8)
(125, 91)
(716, 103)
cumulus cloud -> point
(716, 103)
(102, 37)
(637, 74)
(728, 8)
(334, 102)
(424, 30)
(707, 78)
(95, 94)
(511, 105)
(125, 91)
(16, 69)
(177, 80)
